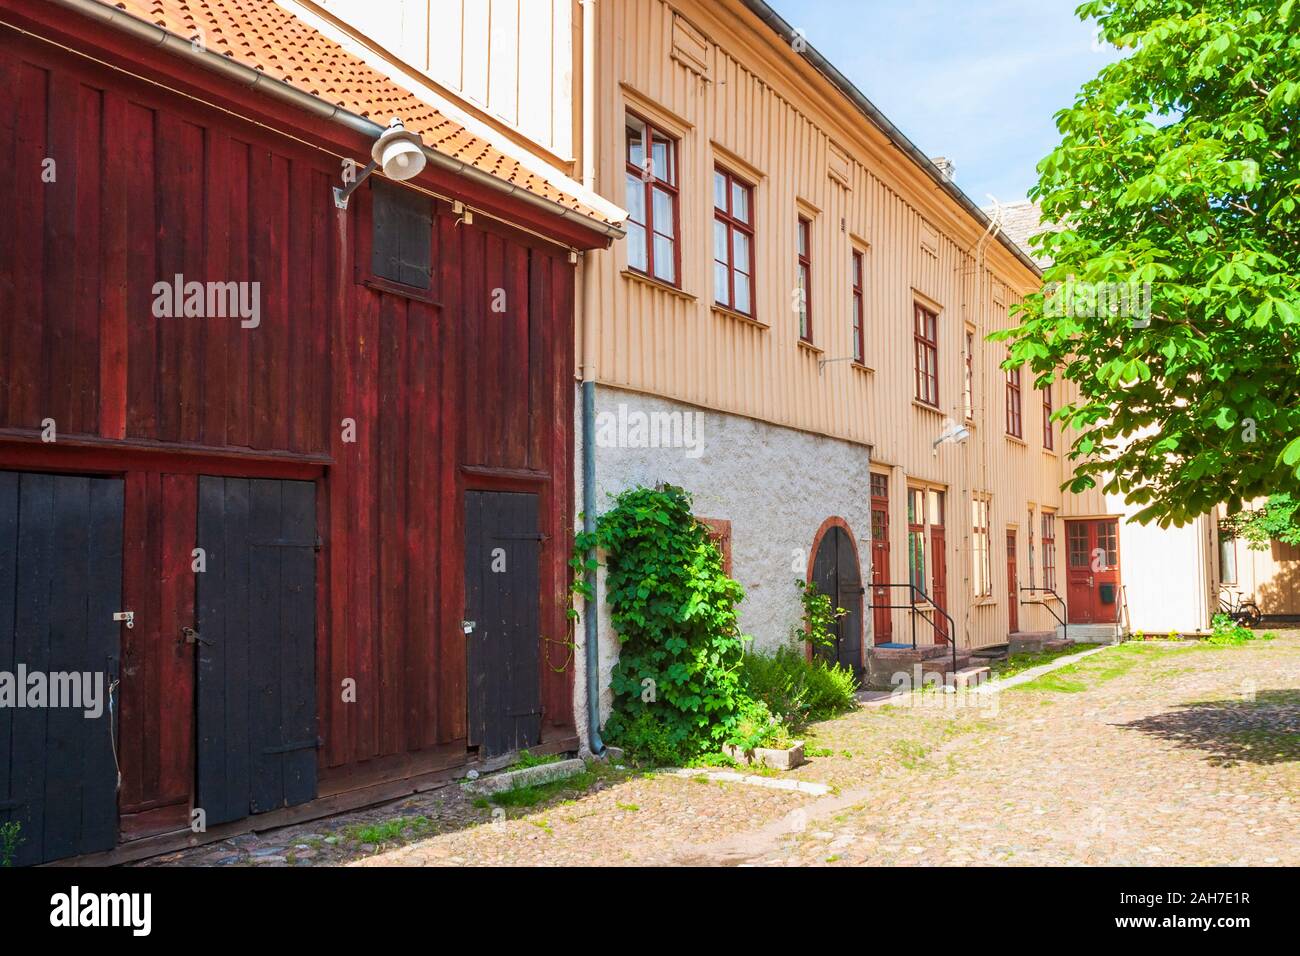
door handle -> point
(191, 636)
(1090, 580)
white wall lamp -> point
(398, 151)
(952, 434)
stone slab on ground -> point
(754, 780)
(527, 777)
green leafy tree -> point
(1177, 168)
(1278, 519)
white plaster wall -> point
(775, 485)
(1168, 573)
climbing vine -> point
(677, 690)
(820, 616)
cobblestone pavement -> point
(1143, 754)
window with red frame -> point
(1049, 549)
(859, 310)
(733, 242)
(1049, 440)
(1014, 423)
(804, 243)
(651, 187)
(925, 337)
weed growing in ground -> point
(1228, 633)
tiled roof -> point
(267, 37)
(1020, 220)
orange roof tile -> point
(267, 37)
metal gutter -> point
(779, 26)
(251, 78)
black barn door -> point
(502, 620)
(257, 646)
(837, 575)
(60, 584)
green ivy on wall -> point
(677, 689)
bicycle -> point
(1244, 611)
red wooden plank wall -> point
(444, 396)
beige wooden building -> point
(797, 274)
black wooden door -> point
(256, 624)
(502, 618)
(837, 575)
(60, 584)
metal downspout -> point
(590, 616)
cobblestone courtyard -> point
(1141, 754)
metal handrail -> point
(914, 591)
(1061, 619)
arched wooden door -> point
(837, 574)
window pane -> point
(665, 266)
(636, 253)
(721, 295)
(635, 199)
(803, 237)
(720, 251)
(857, 268)
(1227, 559)
(936, 507)
(635, 142)
(719, 191)
(742, 251)
(662, 152)
(740, 202)
(742, 293)
(663, 210)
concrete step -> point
(943, 665)
(884, 662)
(1091, 633)
(1027, 642)
(907, 652)
(971, 677)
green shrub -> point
(1227, 632)
(646, 737)
(796, 690)
(757, 726)
(10, 839)
(676, 685)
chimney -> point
(946, 169)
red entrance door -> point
(1092, 570)
(1013, 585)
(882, 617)
(938, 566)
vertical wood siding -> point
(752, 108)
(511, 58)
(444, 396)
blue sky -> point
(977, 81)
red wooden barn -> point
(323, 457)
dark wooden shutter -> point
(256, 627)
(402, 235)
(60, 584)
(503, 649)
